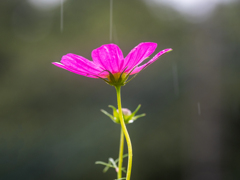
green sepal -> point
(120, 77)
(112, 79)
(126, 78)
(138, 116)
(131, 78)
(124, 156)
(131, 72)
(102, 79)
(132, 118)
(115, 79)
(136, 110)
(119, 80)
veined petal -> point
(80, 63)
(108, 62)
(109, 57)
(138, 55)
(138, 69)
(73, 70)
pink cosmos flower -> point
(108, 62)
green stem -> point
(121, 148)
(124, 129)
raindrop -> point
(199, 108)
(111, 19)
(61, 16)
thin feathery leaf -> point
(111, 106)
(136, 110)
(107, 114)
(113, 162)
(138, 116)
(123, 169)
(107, 167)
(124, 156)
(105, 164)
(115, 113)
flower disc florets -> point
(117, 79)
(109, 63)
(128, 116)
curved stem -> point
(121, 148)
(124, 129)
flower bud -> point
(128, 116)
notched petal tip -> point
(57, 63)
(148, 44)
(168, 50)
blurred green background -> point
(51, 126)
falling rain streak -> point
(175, 79)
(61, 16)
(111, 17)
(199, 108)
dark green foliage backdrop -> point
(51, 126)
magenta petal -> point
(109, 57)
(80, 63)
(73, 70)
(138, 69)
(138, 55)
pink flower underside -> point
(109, 57)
